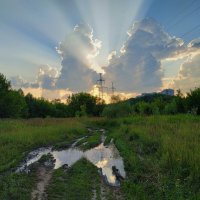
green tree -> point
(171, 108)
(12, 103)
(82, 112)
(193, 101)
(60, 109)
(117, 110)
(39, 107)
(5, 85)
(78, 101)
(144, 108)
(180, 102)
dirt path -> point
(107, 192)
(44, 176)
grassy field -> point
(20, 136)
(79, 182)
(161, 155)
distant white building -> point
(169, 92)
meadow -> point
(17, 137)
(161, 156)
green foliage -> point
(38, 107)
(117, 110)
(19, 136)
(161, 155)
(157, 104)
(60, 110)
(180, 102)
(144, 108)
(12, 103)
(151, 98)
(171, 108)
(90, 142)
(193, 101)
(82, 112)
(16, 186)
(4, 84)
(78, 182)
(82, 104)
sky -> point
(54, 47)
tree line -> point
(14, 104)
(156, 104)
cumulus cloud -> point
(137, 68)
(78, 51)
(18, 82)
(194, 43)
(189, 74)
(47, 77)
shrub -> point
(117, 110)
(193, 101)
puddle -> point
(69, 157)
(106, 158)
(33, 157)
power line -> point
(113, 88)
(186, 15)
(101, 81)
(190, 31)
(149, 59)
(100, 86)
(182, 11)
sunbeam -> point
(110, 21)
(43, 33)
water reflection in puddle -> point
(69, 157)
(103, 157)
(33, 157)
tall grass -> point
(161, 153)
(162, 156)
(20, 136)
